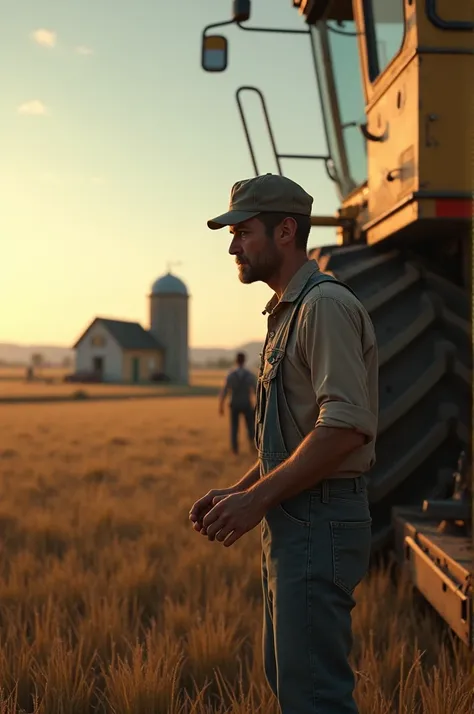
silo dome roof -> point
(169, 285)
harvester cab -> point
(394, 90)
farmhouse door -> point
(135, 369)
(98, 367)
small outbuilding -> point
(123, 351)
(118, 351)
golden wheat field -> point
(55, 375)
(111, 603)
(49, 382)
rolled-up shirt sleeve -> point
(332, 342)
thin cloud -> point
(32, 108)
(97, 180)
(84, 50)
(44, 38)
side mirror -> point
(214, 53)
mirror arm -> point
(214, 25)
(240, 25)
(217, 24)
(273, 29)
(253, 29)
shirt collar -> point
(294, 288)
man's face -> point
(256, 254)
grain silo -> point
(169, 324)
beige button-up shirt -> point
(330, 371)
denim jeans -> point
(316, 550)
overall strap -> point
(313, 280)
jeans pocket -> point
(351, 543)
(297, 509)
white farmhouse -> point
(123, 351)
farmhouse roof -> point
(129, 335)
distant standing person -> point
(241, 383)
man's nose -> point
(234, 248)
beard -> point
(260, 269)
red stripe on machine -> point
(454, 208)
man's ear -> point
(286, 231)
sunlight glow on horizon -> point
(116, 149)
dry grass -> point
(37, 390)
(49, 383)
(109, 602)
(208, 377)
(17, 373)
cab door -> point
(416, 59)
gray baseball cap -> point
(269, 193)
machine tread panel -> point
(423, 334)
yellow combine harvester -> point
(404, 178)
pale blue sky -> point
(138, 147)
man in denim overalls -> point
(316, 424)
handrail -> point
(268, 123)
(277, 155)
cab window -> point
(385, 32)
